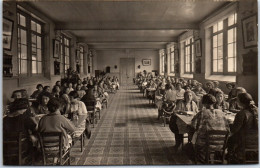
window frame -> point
(172, 60)
(192, 55)
(225, 43)
(63, 46)
(29, 32)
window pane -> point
(33, 40)
(34, 58)
(34, 51)
(220, 52)
(39, 67)
(231, 20)
(215, 53)
(231, 50)
(39, 28)
(39, 42)
(215, 28)
(34, 67)
(23, 37)
(24, 52)
(220, 65)
(231, 66)
(235, 34)
(22, 20)
(220, 39)
(215, 65)
(220, 25)
(235, 16)
(39, 54)
(23, 66)
(33, 26)
(215, 41)
(230, 36)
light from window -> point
(224, 62)
(172, 59)
(29, 56)
(189, 55)
(81, 58)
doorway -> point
(127, 71)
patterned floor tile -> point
(99, 143)
(135, 143)
(160, 160)
(96, 150)
(134, 135)
(115, 161)
(93, 161)
(139, 160)
(136, 150)
(116, 150)
(116, 142)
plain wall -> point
(111, 58)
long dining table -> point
(184, 121)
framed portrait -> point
(146, 62)
(7, 33)
(249, 27)
(56, 49)
(198, 48)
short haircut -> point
(45, 87)
(38, 86)
(74, 94)
(53, 105)
(208, 99)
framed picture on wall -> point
(7, 33)
(249, 28)
(198, 48)
(146, 62)
(56, 49)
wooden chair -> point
(216, 142)
(52, 146)
(90, 105)
(251, 153)
(13, 149)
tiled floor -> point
(129, 134)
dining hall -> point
(130, 82)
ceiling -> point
(127, 23)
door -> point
(127, 70)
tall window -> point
(224, 46)
(172, 59)
(81, 56)
(189, 55)
(30, 41)
(162, 59)
(65, 52)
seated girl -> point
(233, 105)
(17, 120)
(244, 131)
(36, 93)
(183, 105)
(221, 104)
(42, 107)
(206, 120)
(179, 91)
(56, 91)
(55, 122)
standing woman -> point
(244, 129)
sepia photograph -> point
(130, 83)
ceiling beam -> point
(122, 25)
(121, 40)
